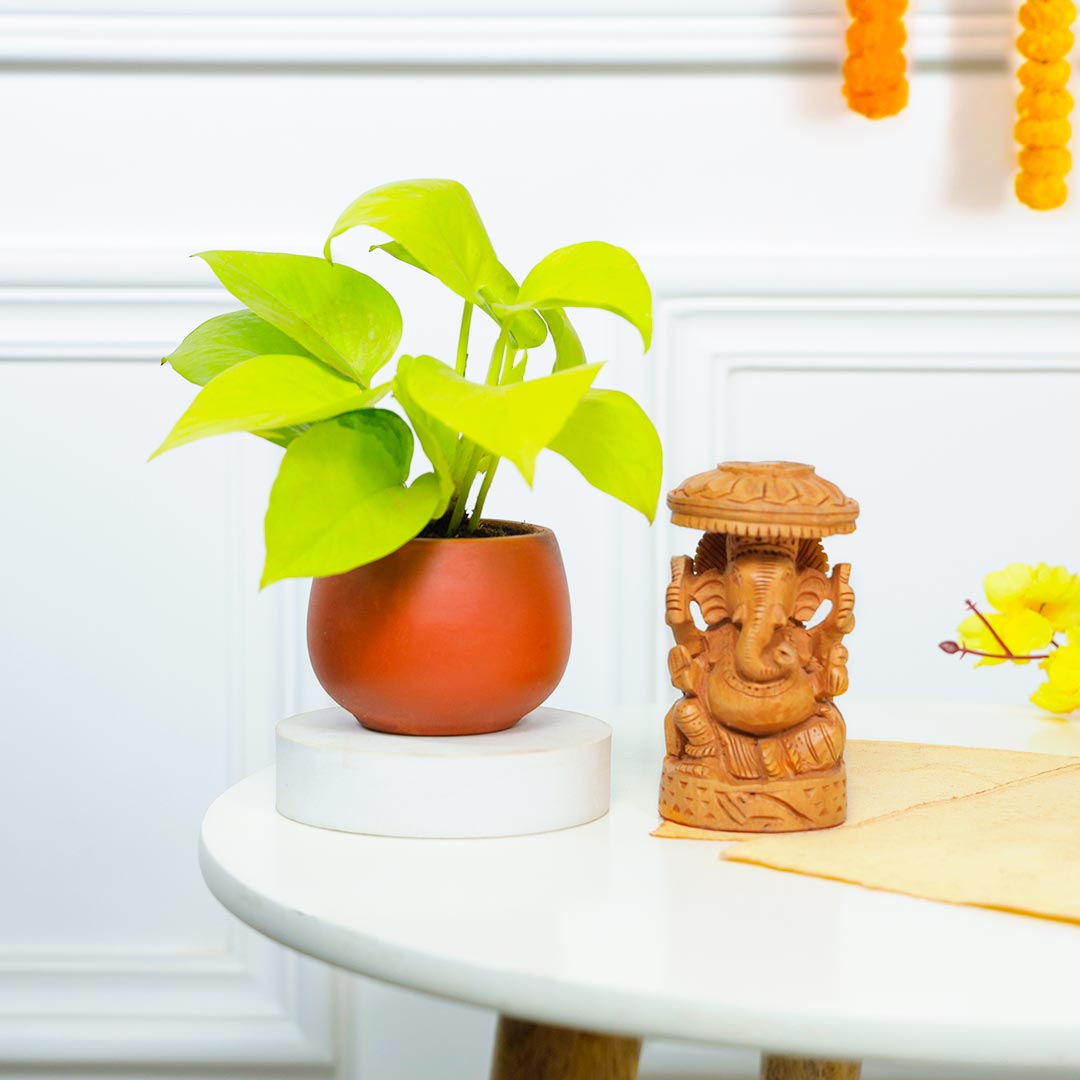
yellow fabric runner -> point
(1014, 848)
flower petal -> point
(1007, 590)
(1055, 592)
(1053, 699)
(1062, 668)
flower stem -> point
(999, 656)
(996, 636)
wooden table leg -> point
(775, 1067)
(527, 1051)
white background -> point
(867, 297)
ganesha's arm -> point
(840, 620)
(830, 632)
(679, 591)
(686, 725)
(843, 610)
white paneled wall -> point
(865, 296)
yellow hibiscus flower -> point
(1023, 632)
(1051, 591)
(1061, 691)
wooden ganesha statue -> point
(756, 744)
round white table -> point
(604, 928)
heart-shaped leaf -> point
(337, 314)
(613, 444)
(435, 226)
(515, 422)
(226, 340)
(265, 393)
(590, 275)
(340, 500)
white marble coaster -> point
(550, 771)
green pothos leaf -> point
(267, 393)
(345, 318)
(341, 498)
(515, 421)
(610, 440)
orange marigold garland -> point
(1044, 104)
(875, 72)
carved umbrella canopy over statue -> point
(756, 744)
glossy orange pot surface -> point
(445, 637)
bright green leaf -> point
(283, 436)
(340, 500)
(590, 275)
(395, 250)
(387, 427)
(339, 315)
(438, 440)
(514, 422)
(614, 445)
(437, 225)
(265, 393)
(568, 350)
(226, 340)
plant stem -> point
(468, 453)
(464, 447)
(463, 491)
(498, 354)
(463, 339)
(508, 364)
(485, 487)
(457, 500)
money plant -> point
(311, 363)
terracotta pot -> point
(445, 637)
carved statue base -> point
(811, 801)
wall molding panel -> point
(237, 1002)
(292, 39)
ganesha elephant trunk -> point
(759, 656)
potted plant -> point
(425, 617)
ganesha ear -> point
(813, 591)
(711, 597)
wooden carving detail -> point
(755, 743)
